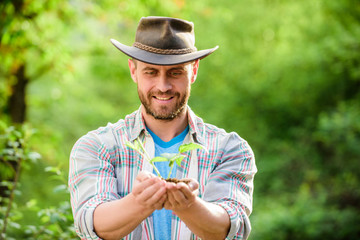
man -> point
(114, 193)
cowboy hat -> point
(164, 41)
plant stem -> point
(147, 157)
(11, 198)
(171, 168)
(143, 148)
(156, 170)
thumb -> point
(193, 185)
(144, 175)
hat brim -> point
(161, 59)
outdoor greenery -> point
(286, 78)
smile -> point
(163, 99)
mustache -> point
(160, 93)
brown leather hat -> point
(164, 41)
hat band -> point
(164, 51)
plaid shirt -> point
(103, 169)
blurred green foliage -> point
(286, 78)
(54, 222)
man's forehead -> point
(143, 65)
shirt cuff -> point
(239, 225)
(84, 225)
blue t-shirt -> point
(162, 218)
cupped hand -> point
(149, 191)
(181, 196)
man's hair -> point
(134, 61)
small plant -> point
(172, 158)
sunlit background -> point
(286, 78)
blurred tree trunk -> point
(17, 102)
(17, 112)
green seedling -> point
(172, 158)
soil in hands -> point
(175, 180)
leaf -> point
(168, 155)
(60, 188)
(130, 145)
(178, 159)
(137, 145)
(32, 204)
(34, 156)
(15, 225)
(54, 170)
(159, 159)
(188, 147)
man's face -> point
(163, 90)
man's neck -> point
(166, 129)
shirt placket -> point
(147, 224)
(183, 232)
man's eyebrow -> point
(178, 68)
(149, 68)
(182, 68)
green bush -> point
(55, 222)
(305, 216)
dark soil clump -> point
(175, 180)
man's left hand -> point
(181, 196)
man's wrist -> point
(140, 209)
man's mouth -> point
(163, 98)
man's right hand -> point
(149, 191)
(116, 219)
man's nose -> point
(163, 83)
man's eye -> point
(150, 72)
(174, 74)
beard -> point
(167, 112)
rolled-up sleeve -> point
(230, 184)
(91, 182)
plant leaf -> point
(136, 145)
(130, 145)
(178, 159)
(159, 159)
(169, 156)
(34, 156)
(188, 147)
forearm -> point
(206, 220)
(116, 219)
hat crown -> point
(164, 41)
(165, 33)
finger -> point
(170, 202)
(184, 191)
(167, 205)
(139, 186)
(161, 203)
(148, 187)
(157, 199)
(170, 186)
(178, 196)
(144, 175)
(193, 184)
(153, 191)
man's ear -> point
(195, 69)
(132, 68)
